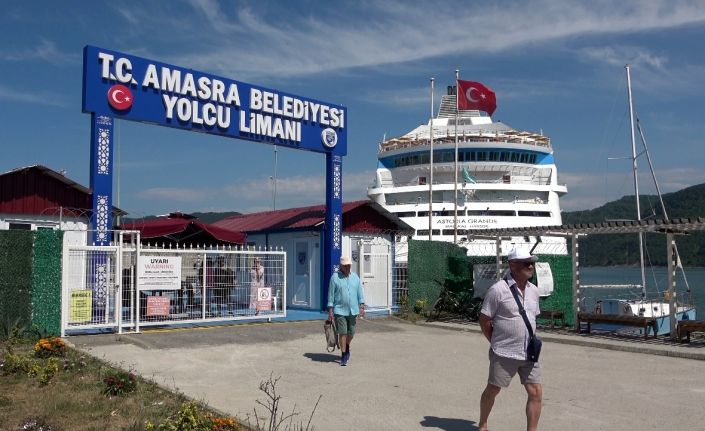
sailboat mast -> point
(636, 181)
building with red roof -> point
(37, 197)
(369, 233)
(183, 229)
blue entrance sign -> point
(134, 88)
(122, 86)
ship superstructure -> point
(505, 178)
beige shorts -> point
(502, 370)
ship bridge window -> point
(524, 158)
(504, 156)
(501, 213)
(20, 226)
(481, 156)
(406, 214)
(450, 231)
(535, 213)
(515, 157)
(424, 232)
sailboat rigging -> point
(660, 308)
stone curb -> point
(582, 340)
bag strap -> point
(521, 307)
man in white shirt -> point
(508, 335)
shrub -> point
(191, 418)
(420, 306)
(47, 347)
(119, 383)
(14, 363)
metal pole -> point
(576, 280)
(671, 255)
(430, 176)
(274, 198)
(636, 182)
(455, 177)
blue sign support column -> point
(333, 234)
(101, 179)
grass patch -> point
(75, 397)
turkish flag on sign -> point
(473, 95)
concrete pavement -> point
(403, 376)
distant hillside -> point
(623, 249)
(209, 217)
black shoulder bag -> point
(533, 350)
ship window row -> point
(424, 232)
(500, 213)
(448, 156)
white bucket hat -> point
(345, 260)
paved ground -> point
(404, 377)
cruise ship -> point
(505, 178)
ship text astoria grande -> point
(503, 178)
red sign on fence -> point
(158, 305)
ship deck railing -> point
(415, 182)
(401, 143)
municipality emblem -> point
(329, 137)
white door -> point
(371, 262)
(305, 258)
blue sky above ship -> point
(556, 68)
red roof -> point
(39, 190)
(180, 228)
(358, 216)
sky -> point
(557, 67)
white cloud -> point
(45, 51)
(398, 32)
(42, 97)
(621, 55)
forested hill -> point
(623, 249)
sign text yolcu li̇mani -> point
(218, 100)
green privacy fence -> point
(30, 279)
(434, 263)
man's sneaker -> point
(346, 357)
(344, 360)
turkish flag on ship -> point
(473, 95)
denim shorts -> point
(345, 325)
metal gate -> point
(129, 286)
(90, 287)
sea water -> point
(656, 284)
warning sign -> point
(158, 305)
(159, 272)
(81, 303)
(264, 298)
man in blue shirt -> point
(345, 302)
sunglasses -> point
(525, 264)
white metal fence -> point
(127, 287)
